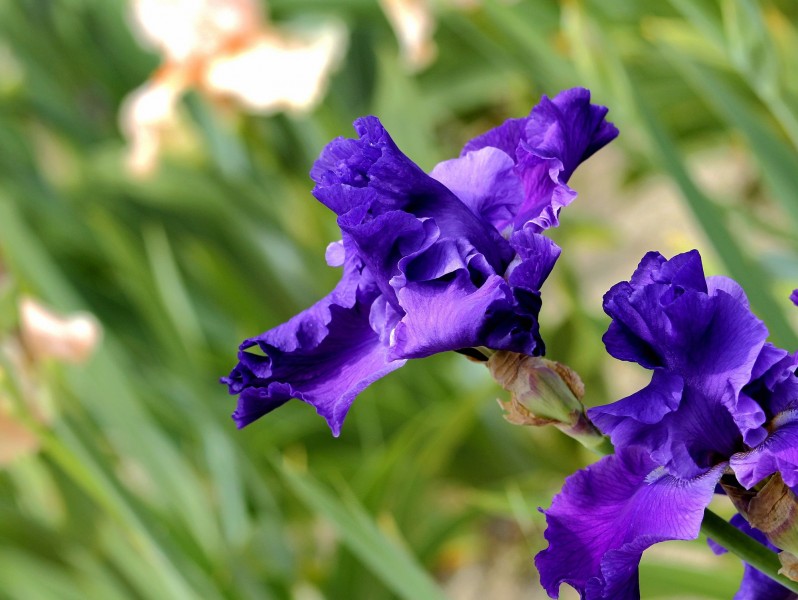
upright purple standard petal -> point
(516, 174)
(755, 585)
(703, 343)
(608, 514)
(371, 174)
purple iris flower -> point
(445, 261)
(720, 396)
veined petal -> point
(682, 427)
(628, 421)
(728, 285)
(608, 514)
(486, 182)
(464, 305)
(448, 314)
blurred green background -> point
(143, 488)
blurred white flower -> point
(47, 335)
(414, 24)
(147, 114)
(184, 30)
(292, 71)
(226, 49)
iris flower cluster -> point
(455, 260)
(449, 260)
(721, 400)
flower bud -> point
(773, 510)
(544, 392)
(789, 565)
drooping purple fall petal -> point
(608, 514)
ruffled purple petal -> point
(325, 356)
(327, 370)
(546, 148)
(681, 429)
(755, 584)
(364, 178)
(794, 297)
(535, 258)
(384, 241)
(608, 514)
(664, 317)
(778, 453)
(464, 305)
(773, 390)
(628, 421)
(695, 331)
(450, 314)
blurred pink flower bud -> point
(47, 335)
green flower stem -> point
(755, 554)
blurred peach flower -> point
(47, 335)
(414, 25)
(16, 440)
(226, 49)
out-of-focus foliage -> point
(144, 489)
